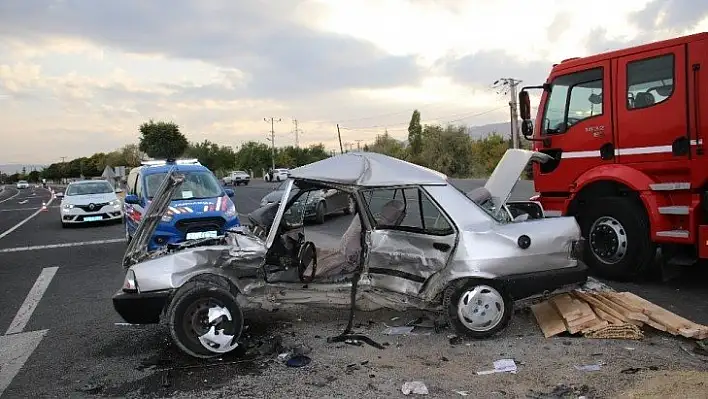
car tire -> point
(246, 183)
(277, 178)
(493, 308)
(187, 317)
(64, 225)
(320, 213)
(619, 245)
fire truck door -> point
(652, 118)
(577, 125)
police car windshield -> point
(89, 188)
(196, 185)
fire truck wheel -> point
(618, 245)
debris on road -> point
(414, 387)
(616, 315)
(589, 367)
(298, 361)
(501, 366)
(562, 391)
(398, 330)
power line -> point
(464, 116)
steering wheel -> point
(573, 121)
(307, 255)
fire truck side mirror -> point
(524, 105)
(527, 128)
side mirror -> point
(132, 199)
(59, 195)
(229, 192)
(524, 105)
(525, 113)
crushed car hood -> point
(138, 246)
(508, 171)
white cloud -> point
(83, 75)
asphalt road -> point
(62, 338)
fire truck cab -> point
(626, 131)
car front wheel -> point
(478, 309)
(205, 319)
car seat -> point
(643, 100)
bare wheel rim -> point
(480, 308)
(200, 330)
(608, 240)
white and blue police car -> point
(201, 207)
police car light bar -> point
(193, 161)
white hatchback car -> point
(90, 201)
(277, 175)
(22, 184)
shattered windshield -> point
(197, 185)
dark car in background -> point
(317, 205)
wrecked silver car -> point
(415, 241)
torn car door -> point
(411, 240)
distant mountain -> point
(12, 168)
(502, 128)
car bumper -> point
(111, 215)
(140, 308)
(525, 285)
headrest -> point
(642, 100)
(392, 213)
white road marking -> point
(62, 245)
(26, 209)
(11, 197)
(15, 350)
(23, 202)
(30, 304)
(25, 220)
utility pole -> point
(339, 134)
(272, 138)
(510, 85)
(297, 132)
(358, 144)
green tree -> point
(385, 144)
(487, 152)
(162, 140)
(33, 176)
(415, 135)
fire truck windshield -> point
(572, 98)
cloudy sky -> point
(79, 76)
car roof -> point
(368, 169)
(149, 170)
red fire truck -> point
(626, 131)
